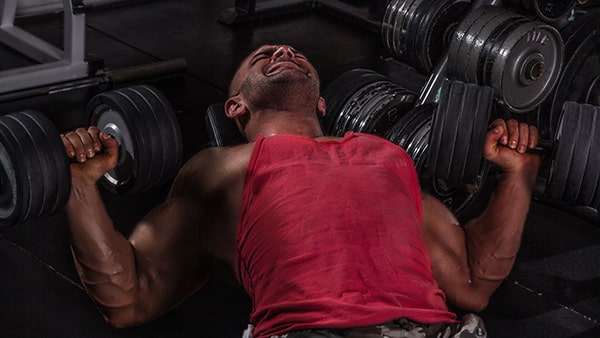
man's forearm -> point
(493, 239)
(103, 257)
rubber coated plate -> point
(581, 65)
(30, 170)
(133, 117)
(172, 140)
(341, 90)
(589, 185)
(60, 174)
(11, 196)
(579, 159)
(568, 131)
(463, 35)
(547, 10)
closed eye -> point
(260, 56)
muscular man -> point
(322, 232)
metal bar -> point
(104, 78)
(29, 44)
(430, 92)
(74, 33)
(8, 10)
(38, 75)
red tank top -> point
(329, 236)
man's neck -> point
(281, 122)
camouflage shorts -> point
(471, 327)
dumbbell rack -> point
(54, 65)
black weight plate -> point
(551, 10)
(437, 28)
(13, 191)
(468, 112)
(483, 30)
(49, 151)
(437, 131)
(593, 94)
(392, 27)
(353, 93)
(579, 158)
(476, 165)
(157, 169)
(419, 137)
(390, 113)
(60, 163)
(566, 134)
(462, 202)
(36, 159)
(388, 24)
(375, 106)
(490, 52)
(366, 103)
(581, 44)
(402, 27)
(168, 123)
(27, 169)
(352, 107)
(341, 90)
(410, 125)
(461, 42)
(397, 134)
(415, 33)
(451, 121)
(110, 110)
(333, 94)
(531, 43)
(591, 177)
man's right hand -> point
(95, 153)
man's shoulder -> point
(215, 163)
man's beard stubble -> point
(280, 92)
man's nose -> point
(283, 52)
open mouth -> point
(281, 66)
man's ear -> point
(234, 107)
(321, 107)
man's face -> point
(274, 72)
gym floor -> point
(553, 291)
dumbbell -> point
(456, 148)
(35, 178)
(518, 57)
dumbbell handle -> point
(544, 147)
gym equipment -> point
(578, 80)
(34, 169)
(546, 10)
(573, 153)
(412, 132)
(519, 58)
(55, 65)
(365, 101)
(418, 32)
(460, 122)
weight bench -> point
(222, 131)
